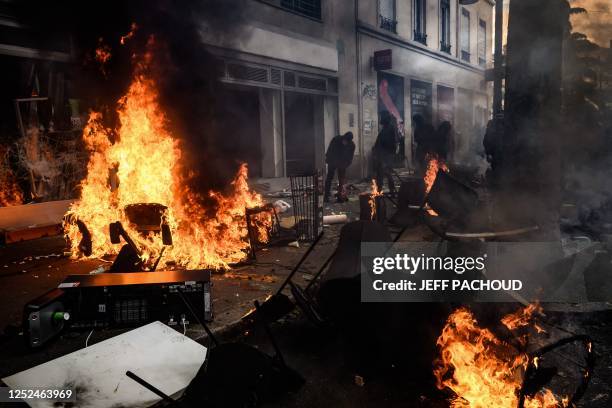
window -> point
(310, 8)
(445, 43)
(386, 11)
(419, 16)
(464, 40)
(482, 43)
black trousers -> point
(383, 167)
(331, 170)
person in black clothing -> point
(424, 135)
(338, 157)
(443, 140)
(384, 150)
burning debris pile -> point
(10, 194)
(484, 371)
(140, 162)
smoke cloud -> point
(185, 72)
(596, 23)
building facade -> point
(302, 71)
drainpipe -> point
(497, 60)
(362, 154)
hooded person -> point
(423, 135)
(338, 157)
(384, 150)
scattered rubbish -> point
(335, 219)
(294, 244)
(278, 194)
(281, 206)
(99, 269)
(599, 396)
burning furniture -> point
(372, 206)
(264, 229)
(147, 219)
(485, 368)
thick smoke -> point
(596, 23)
(184, 71)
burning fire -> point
(372, 200)
(10, 194)
(129, 35)
(434, 164)
(482, 370)
(139, 163)
(102, 55)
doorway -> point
(300, 133)
(241, 127)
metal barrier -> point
(307, 196)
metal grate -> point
(289, 78)
(312, 83)
(388, 24)
(420, 37)
(130, 311)
(310, 8)
(307, 196)
(247, 72)
(275, 76)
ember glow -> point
(482, 370)
(139, 163)
(434, 164)
(10, 194)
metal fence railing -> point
(307, 196)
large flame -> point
(139, 163)
(482, 370)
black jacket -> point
(339, 154)
(386, 142)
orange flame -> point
(434, 164)
(129, 35)
(10, 194)
(482, 370)
(102, 54)
(139, 163)
(372, 200)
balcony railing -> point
(388, 24)
(465, 56)
(420, 37)
(444, 47)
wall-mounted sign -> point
(383, 60)
(420, 99)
